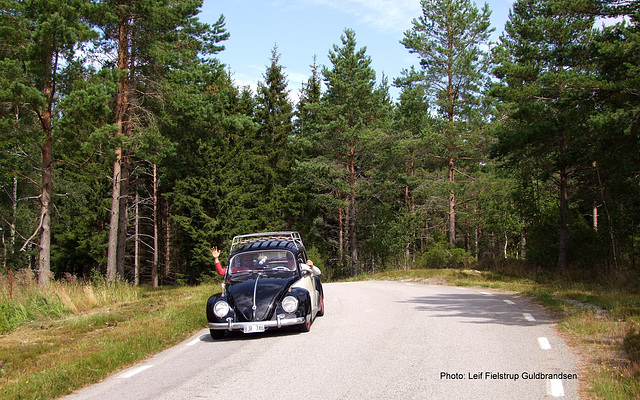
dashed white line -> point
(135, 371)
(509, 302)
(544, 343)
(486, 293)
(194, 341)
(555, 388)
(528, 317)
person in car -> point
(216, 254)
(216, 258)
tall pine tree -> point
(544, 68)
(450, 39)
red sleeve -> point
(219, 269)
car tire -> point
(306, 325)
(216, 334)
(321, 311)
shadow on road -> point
(477, 308)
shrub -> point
(442, 255)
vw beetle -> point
(267, 285)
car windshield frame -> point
(262, 260)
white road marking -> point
(555, 388)
(194, 341)
(135, 371)
(509, 302)
(544, 343)
(487, 293)
(529, 317)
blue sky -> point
(304, 28)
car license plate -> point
(255, 328)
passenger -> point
(316, 270)
(216, 253)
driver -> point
(216, 258)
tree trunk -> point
(154, 266)
(564, 213)
(352, 210)
(44, 267)
(167, 252)
(123, 217)
(120, 116)
(340, 232)
(136, 256)
(115, 217)
(44, 258)
(14, 215)
(452, 204)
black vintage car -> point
(268, 284)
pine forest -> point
(127, 150)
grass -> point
(76, 333)
(52, 355)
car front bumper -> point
(279, 322)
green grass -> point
(76, 333)
(51, 357)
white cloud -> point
(385, 15)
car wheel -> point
(216, 334)
(321, 311)
(306, 325)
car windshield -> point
(262, 260)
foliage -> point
(370, 182)
(442, 255)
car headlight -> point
(221, 309)
(289, 304)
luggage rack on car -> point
(287, 236)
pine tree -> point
(449, 39)
(544, 68)
(349, 113)
(274, 114)
(46, 35)
(151, 39)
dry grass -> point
(51, 357)
(22, 301)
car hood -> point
(268, 291)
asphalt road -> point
(377, 340)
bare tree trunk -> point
(340, 232)
(123, 217)
(154, 266)
(112, 250)
(352, 211)
(120, 115)
(44, 268)
(167, 253)
(44, 258)
(136, 257)
(506, 244)
(14, 215)
(452, 204)
(564, 213)
(523, 243)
